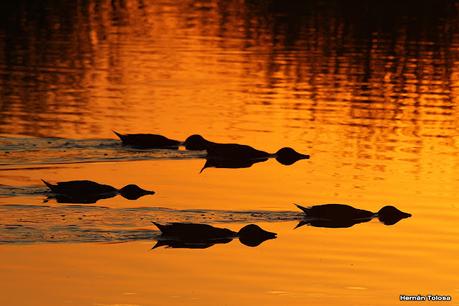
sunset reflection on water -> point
(369, 90)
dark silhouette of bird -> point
(148, 141)
(341, 215)
(238, 152)
(84, 191)
(192, 235)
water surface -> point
(369, 90)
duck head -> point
(252, 235)
(196, 142)
(389, 215)
(133, 192)
(288, 156)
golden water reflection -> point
(369, 90)
(329, 268)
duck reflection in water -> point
(201, 236)
(230, 164)
(148, 141)
(341, 215)
(89, 192)
(231, 155)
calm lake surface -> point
(369, 90)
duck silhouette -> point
(193, 235)
(238, 152)
(84, 191)
(148, 141)
(285, 156)
(341, 215)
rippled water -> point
(368, 89)
(16, 152)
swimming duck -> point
(285, 156)
(341, 215)
(148, 141)
(238, 152)
(89, 192)
(203, 235)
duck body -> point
(235, 152)
(148, 141)
(342, 215)
(81, 187)
(238, 152)
(335, 212)
(193, 231)
(224, 151)
(87, 192)
(192, 235)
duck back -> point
(336, 212)
(82, 187)
(192, 231)
(151, 141)
(230, 151)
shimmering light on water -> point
(369, 90)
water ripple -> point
(26, 151)
(79, 223)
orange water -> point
(370, 91)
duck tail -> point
(158, 244)
(300, 224)
(159, 226)
(120, 136)
(204, 167)
(49, 185)
(304, 209)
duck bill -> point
(391, 220)
(269, 235)
(256, 241)
(136, 195)
(287, 161)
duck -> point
(238, 152)
(84, 191)
(197, 235)
(285, 156)
(342, 215)
(148, 141)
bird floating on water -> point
(84, 191)
(341, 215)
(193, 235)
(238, 152)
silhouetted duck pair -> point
(88, 192)
(341, 215)
(220, 155)
(200, 236)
